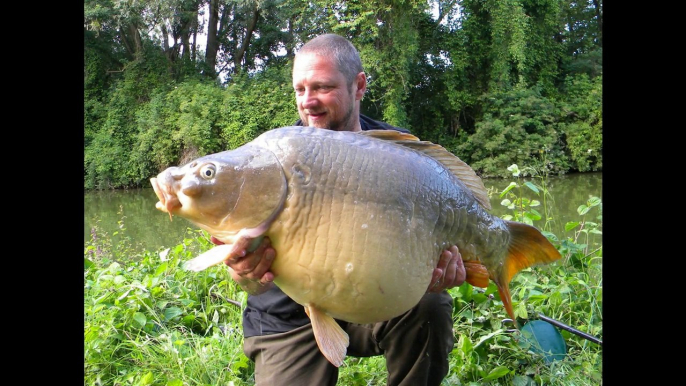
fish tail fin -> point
(528, 247)
(331, 339)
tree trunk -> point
(212, 37)
(248, 35)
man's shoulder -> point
(372, 124)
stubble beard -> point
(344, 124)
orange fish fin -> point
(456, 166)
(477, 274)
(504, 291)
(330, 337)
(528, 247)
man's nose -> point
(309, 98)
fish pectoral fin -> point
(330, 337)
(212, 257)
(477, 274)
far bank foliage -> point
(495, 82)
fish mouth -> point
(168, 201)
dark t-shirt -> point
(273, 311)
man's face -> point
(324, 98)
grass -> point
(148, 322)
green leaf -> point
(465, 345)
(487, 337)
(125, 294)
(188, 319)
(531, 186)
(571, 225)
(139, 319)
(172, 312)
(147, 379)
(533, 215)
(582, 209)
(593, 201)
(160, 269)
(523, 380)
(496, 373)
(551, 236)
(509, 187)
(465, 292)
(520, 310)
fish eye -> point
(208, 171)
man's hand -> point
(450, 271)
(251, 271)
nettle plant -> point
(523, 208)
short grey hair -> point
(344, 54)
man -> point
(329, 84)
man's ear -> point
(361, 82)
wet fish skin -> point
(358, 219)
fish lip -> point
(168, 201)
(158, 191)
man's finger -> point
(460, 271)
(446, 255)
(435, 279)
(263, 266)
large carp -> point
(358, 220)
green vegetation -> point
(494, 82)
(149, 322)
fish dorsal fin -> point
(458, 167)
(390, 135)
